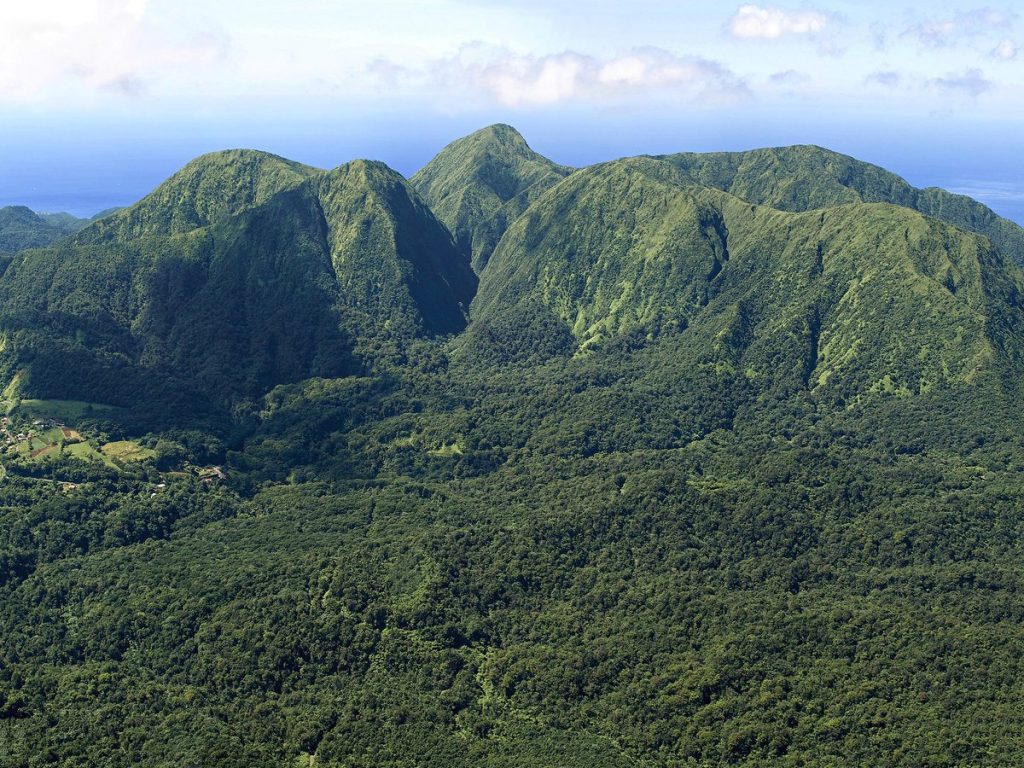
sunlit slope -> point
(802, 178)
(853, 297)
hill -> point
(21, 228)
(803, 178)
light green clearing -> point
(454, 449)
(127, 450)
(51, 445)
(86, 452)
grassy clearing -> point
(47, 452)
(10, 393)
(86, 452)
(61, 441)
(127, 450)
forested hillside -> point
(21, 228)
(713, 460)
(241, 272)
(807, 178)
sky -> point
(100, 100)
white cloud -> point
(770, 23)
(103, 45)
(941, 32)
(517, 79)
(1006, 50)
(971, 83)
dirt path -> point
(35, 454)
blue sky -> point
(102, 99)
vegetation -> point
(705, 481)
(805, 178)
(201, 296)
(21, 228)
(844, 301)
(480, 184)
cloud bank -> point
(103, 45)
(522, 80)
(972, 83)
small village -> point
(44, 438)
(24, 435)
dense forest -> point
(21, 228)
(670, 461)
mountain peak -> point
(492, 154)
(498, 132)
(369, 170)
(478, 184)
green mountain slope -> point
(21, 228)
(65, 222)
(237, 274)
(395, 264)
(479, 184)
(852, 298)
(802, 178)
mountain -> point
(479, 184)
(21, 228)
(240, 272)
(847, 299)
(723, 471)
(803, 178)
(106, 212)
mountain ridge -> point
(830, 178)
(686, 246)
(390, 259)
